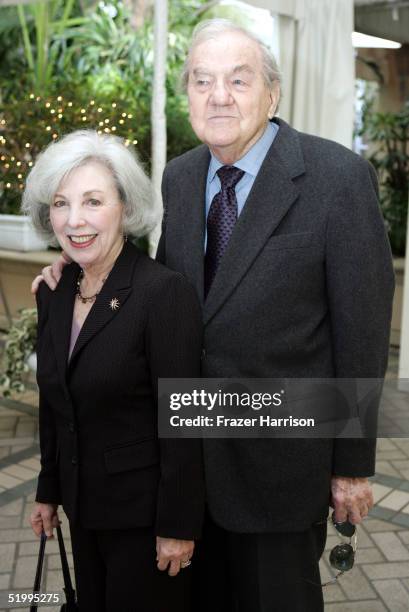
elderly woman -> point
(116, 322)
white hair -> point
(76, 149)
(212, 28)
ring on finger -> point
(185, 564)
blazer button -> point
(203, 353)
(71, 427)
(74, 461)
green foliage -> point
(50, 19)
(20, 343)
(58, 59)
(388, 133)
(29, 124)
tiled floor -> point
(378, 582)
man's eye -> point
(94, 202)
(238, 82)
(202, 82)
(59, 204)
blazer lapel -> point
(193, 217)
(109, 301)
(272, 195)
(61, 311)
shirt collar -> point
(251, 162)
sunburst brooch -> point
(114, 304)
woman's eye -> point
(59, 204)
(94, 202)
(238, 82)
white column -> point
(158, 115)
(404, 339)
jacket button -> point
(71, 427)
(203, 353)
(74, 460)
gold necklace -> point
(84, 299)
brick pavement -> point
(378, 582)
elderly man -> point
(282, 236)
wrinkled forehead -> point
(225, 53)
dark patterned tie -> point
(220, 221)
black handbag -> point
(70, 604)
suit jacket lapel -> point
(272, 195)
(109, 301)
(61, 311)
(193, 217)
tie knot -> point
(229, 176)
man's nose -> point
(220, 95)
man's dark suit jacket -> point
(304, 289)
(100, 454)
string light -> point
(104, 126)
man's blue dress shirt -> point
(250, 163)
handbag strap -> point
(68, 588)
(39, 571)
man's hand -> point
(351, 498)
(44, 516)
(172, 553)
(51, 274)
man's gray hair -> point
(76, 149)
(212, 28)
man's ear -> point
(275, 93)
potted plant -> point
(388, 135)
(19, 355)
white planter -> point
(17, 234)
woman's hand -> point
(44, 516)
(172, 553)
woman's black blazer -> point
(100, 454)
